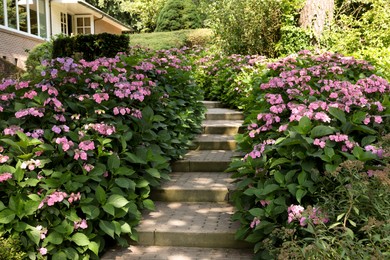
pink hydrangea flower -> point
(43, 251)
(66, 144)
(294, 212)
(255, 222)
(5, 176)
(87, 145)
(74, 197)
(80, 224)
(80, 154)
(319, 142)
(88, 167)
(3, 158)
(378, 119)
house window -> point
(25, 15)
(64, 23)
(84, 24)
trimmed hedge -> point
(91, 46)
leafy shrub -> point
(10, 249)
(90, 46)
(252, 27)
(310, 114)
(177, 15)
(226, 78)
(83, 144)
(358, 204)
(36, 56)
(361, 29)
(198, 37)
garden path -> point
(192, 219)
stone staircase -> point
(192, 219)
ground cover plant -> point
(83, 143)
(314, 127)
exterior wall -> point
(14, 45)
(56, 10)
(104, 27)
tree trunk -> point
(316, 15)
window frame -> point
(83, 26)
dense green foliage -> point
(175, 39)
(10, 249)
(256, 27)
(90, 46)
(310, 114)
(225, 78)
(362, 29)
(177, 15)
(37, 55)
(83, 143)
(145, 12)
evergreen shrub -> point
(177, 15)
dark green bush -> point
(177, 15)
(91, 46)
(35, 57)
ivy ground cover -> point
(314, 170)
(82, 145)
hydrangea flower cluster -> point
(297, 91)
(302, 215)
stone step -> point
(223, 114)
(201, 224)
(214, 142)
(212, 104)
(205, 161)
(222, 127)
(195, 187)
(177, 253)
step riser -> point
(227, 145)
(221, 130)
(213, 104)
(199, 166)
(221, 195)
(224, 116)
(210, 240)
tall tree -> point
(315, 15)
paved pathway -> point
(192, 219)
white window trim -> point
(66, 23)
(5, 12)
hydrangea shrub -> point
(82, 145)
(310, 114)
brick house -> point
(23, 26)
